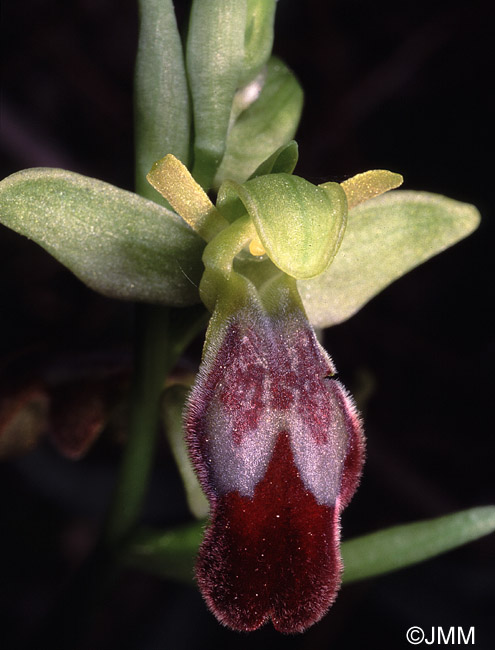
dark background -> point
(401, 86)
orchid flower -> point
(275, 439)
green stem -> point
(161, 336)
(154, 358)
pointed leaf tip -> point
(400, 546)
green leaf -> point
(215, 56)
(270, 122)
(161, 100)
(171, 553)
(385, 237)
(299, 225)
(116, 242)
(401, 546)
(171, 408)
(258, 37)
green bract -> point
(228, 43)
(385, 237)
(161, 101)
(214, 65)
(258, 37)
(267, 124)
(117, 242)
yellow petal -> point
(173, 180)
(369, 184)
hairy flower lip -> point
(278, 447)
(267, 556)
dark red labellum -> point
(278, 448)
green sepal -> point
(214, 61)
(171, 408)
(115, 241)
(299, 224)
(171, 553)
(161, 97)
(385, 237)
(265, 126)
